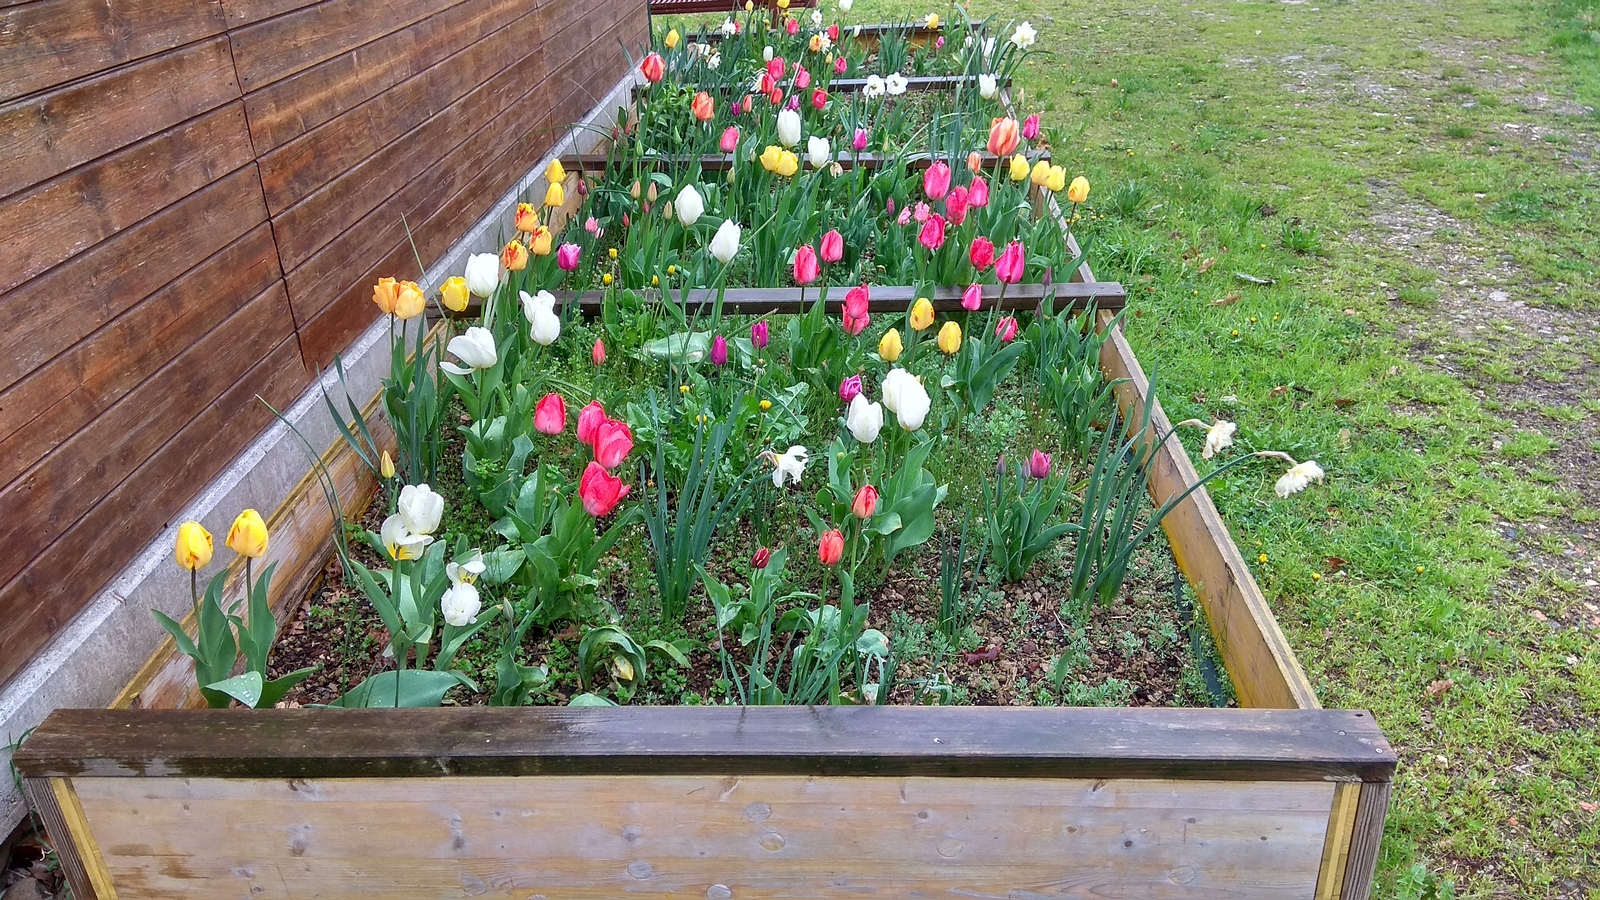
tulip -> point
(1040, 175)
(932, 236)
(541, 313)
(759, 334)
(858, 143)
(1030, 127)
(932, 21)
(981, 253)
(857, 310)
(193, 546)
(863, 419)
(1012, 263)
(399, 542)
(725, 244)
(555, 172)
(474, 347)
(789, 128)
(974, 162)
(420, 509)
(483, 273)
(936, 180)
(921, 314)
(955, 205)
(589, 419)
(866, 502)
(978, 194)
(385, 466)
(460, 605)
(567, 256)
(987, 86)
(889, 346)
(775, 96)
(802, 77)
(950, 338)
(690, 205)
(514, 258)
(1019, 167)
(850, 388)
(805, 265)
(550, 416)
(1003, 136)
(830, 549)
(818, 151)
(761, 558)
(788, 466)
(386, 295)
(527, 218)
(923, 210)
(1006, 329)
(832, 247)
(972, 298)
(791, 27)
(844, 5)
(841, 66)
(1039, 465)
(613, 441)
(1298, 478)
(776, 67)
(719, 351)
(540, 241)
(904, 395)
(671, 40)
(653, 67)
(555, 195)
(771, 157)
(1057, 182)
(600, 491)
(703, 107)
(598, 354)
(730, 139)
(819, 99)
(409, 300)
(454, 294)
(1078, 191)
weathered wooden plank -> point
(50, 313)
(51, 42)
(55, 220)
(722, 162)
(281, 46)
(1366, 836)
(33, 606)
(286, 109)
(1336, 846)
(709, 836)
(46, 134)
(306, 164)
(55, 400)
(1012, 742)
(70, 812)
(42, 795)
(243, 12)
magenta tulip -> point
(1030, 127)
(859, 141)
(719, 351)
(978, 194)
(936, 181)
(802, 78)
(777, 68)
(567, 257)
(758, 334)
(1006, 329)
(981, 253)
(1039, 464)
(1010, 266)
(840, 66)
(850, 388)
(856, 306)
(932, 235)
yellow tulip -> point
(770, 157)
(950, 338)
(1041, 173)
(385, 293)
(1058, 180)
(555, 173)
(527, 218)
(454, 294)
(788, 164)
(1019, 167)
(515, 257)
(749, 5)
(1079, 190)
(541, 241)
(555, 195)
(386, 466)
(783, 4)
(248, 536)
(921, 314)
(193, 548)
(671, 42)
(889, 347)
(409, 300)
(933, 20)
(606, 279)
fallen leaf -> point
(1334, 563)
(1278, 391)
(1440, 686)
(1342, 402)
(1206, 264)
(1229, 300)
(1537, 614)
(1588, 807)
(986, 654)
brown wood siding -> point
(199, 194)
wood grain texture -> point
(1213, 744)
(46, 134)
(1336, 846)
(708, 836)
(45, 801)
(50, 42)
(278, 47)
(239, 13)
(1365, 839)
(70, 811)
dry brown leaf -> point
(1206, 264)
(1588, 807)
(1278, 391)
(1440, 686)
(1229, 300)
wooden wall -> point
(196, 197)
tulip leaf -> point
(589, 700)
(410, 688)
(275, 690)
(244, 688)
(500, 566)
(888, 523)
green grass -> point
(1360, 154)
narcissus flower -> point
(1003, 137)
(1218, 437)
(589, 419)
(1012, 263)
(936, 180)
(889, 346)
(873, 88)
(857, 309)
(1024, 36)
(921, 314)
(613, 441)
(1078, 191)
(454, 294)
(703, 107)
(830, 547)
(866, 502)
(789, 465)
(600, 491)
(550, 416)
(193, 546)
(895, 84)
(475, 348)
(1019, 167)
(1298, 478)
(653, 67)
(514, 258)
(725, 244)
(483, 273)
(950, 338)
(541, 312)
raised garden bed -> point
(1275, 799)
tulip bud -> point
(598, 354)
(1030, 127)
(385, 294)
(550, 415)
(859, 141)
(890, 347)
(1078, 191)
(805, 265)
(950, 338)
(981, 253)
(974, 162)
(1006, 329)
(671, 40)
(703, 107)
(832, 247)
(567, 256)
(760, 560)
(454, 294)
(866, 502)
(730, 139)
(386, 466)
(409, 300)
(653, 67)
(193, 546)
(936, 180)
(1003, 137)
(1012, 263)
(555, 195)
(759, 334)
(719, 351)
(248, 536)
(830, 548)
(1039, 464)
(972, 298)
(921, 314)
(857, 312)
(541, 241)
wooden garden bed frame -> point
(1277, 799)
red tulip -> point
(730, 139)
(832, 247)
(703, 107)
(805, 265)
(600, 491)
(598, 354)
(955, 205)
(776, 96)
(936, 180)
(866, 502)
(830, 549)
(972, 298)
(653, 67)
(589, 419)
(932, 235)
(1003, 137)
(767, 83)
(760, 560)
(856, 315)
(1006, 329)
(819, 98)
(981, 253)
(550, 416)
(613, 441)
(978, 194)
(1010, 266)
(833, 34)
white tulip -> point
(767, 53)
(789, 128)
(399, 540)
(460, 605)
(725, 243)
(988, 48)
(483, 273)
(864, 419)
(818, 151)
(689, 205)
(420, 509)
(844, 5)
(1024, 36)
(895, 84)
(1218, 437)
(541, 312)
(987, 87)
(893, 386)
(1298, 478)
(789, 466)
(475, 347)
(466, 571)
(914, 405)
(873, 89)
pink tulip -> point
(932, 235)
(776, 68)
(805, 265)
(856, 315)
(589, 419)
(832, 247)
(1006, 329)
(841, 66)
(613, 441)
(598, 354)
(592, 226)
(850, 388)
(1039, 464)
(791, 27)
(759, 334)
(922, 213)
(972, 298)
(833, 34)
(981, 253)
(955, 205)
(550, 416)
(905, 216)
(567, 257)
(858, 143)
(978, 194)
(819, 98)
(939, 43)
(730, 139)
(936, 180)
(749, 103)
(1030, 127)
(600, 491)
(802, 77)
(719, 351)
(1012, 263)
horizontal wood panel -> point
(51, 42)
(1018, 742)
(279, 47)
(708, 836)
(33, 606)
(286, 109)
(47, 315)
(43, 135)
(243, 12)
(55, 400)
(50, 223)
(338, 173)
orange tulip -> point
(974, 162)
(386, 293)
(1003, 136)
(539, 241)
(409, 300)
(515, 257)
(703, 107)
(527, 218)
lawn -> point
(1420, 182)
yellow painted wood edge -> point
(77, 826)
(1336, 847)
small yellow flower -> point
(683, 389)
(1316, 576)
(606, 279)
(766, 405)
(1262, 558)
(672, 270)
(655, 281)
(1236, 332)
(1419, 570)
(921, 314)
(950, 338)
(700, 419)
(1252, 320)
(612, 253)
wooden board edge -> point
(1336, 846)
(1366, 837)
(57, 805)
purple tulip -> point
(1039, 464)
(758, 334)
(850, 388)
(719, 351)
(567, 256)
